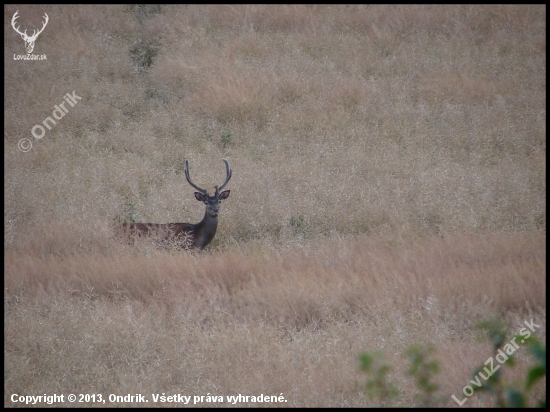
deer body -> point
(204, 231)
(193, 235)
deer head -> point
(212, 202)
(29, 40)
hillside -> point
(389, 188)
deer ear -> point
(199, 196)
(224, 194)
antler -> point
(228, 173)
(34, 36)
(189, 179)
(15, 16)
(34, 33)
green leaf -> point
(534, 375)
(365, 360)
(515, 398)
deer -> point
(196, 235)
(29, 40)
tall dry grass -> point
(381, 155)
(268, 321)
(361, 119)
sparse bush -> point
(143, 54)
(378, 387)
(424, 371)
(144, 11)
(130, 214)
(298, 224)
(226, 137)
(514, 395)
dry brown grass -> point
(381, 155)
(270, 321)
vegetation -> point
(424, 370)
(389, 187)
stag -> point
(29, 40)
(195, 236)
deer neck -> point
(205, 230)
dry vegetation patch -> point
(389, 187)
(289, 322)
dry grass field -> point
(389, 188)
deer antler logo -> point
(29, 40)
